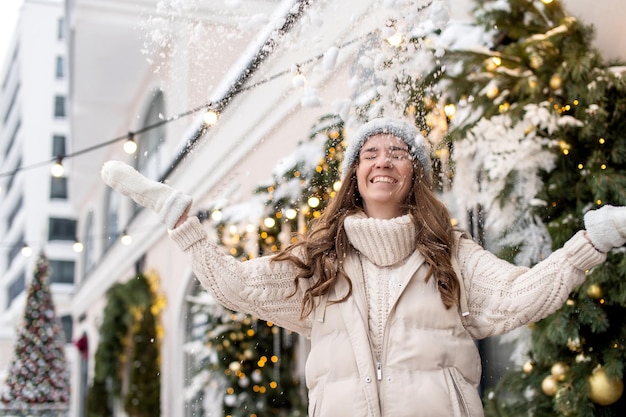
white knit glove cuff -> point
(606, 227)
(173, 208)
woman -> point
(390, 295)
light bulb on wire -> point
(298, 80)
(210, 117)
(130, 146)
(26, 250)
(78, 246)
(57, 169)
(126, 239)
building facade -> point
(84, 76)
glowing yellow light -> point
(547, 1)
(216, 215)
(78, 247)
(580, 166)
(230, 390)
(599, 202)
(233, 251)
(57, 169)
(336, 185)
(232, 229)
(603, 166)
(449, 110)
(269, 222)
(210, 117)
(26, 250)
(601, 141)
(273, 384)
(333, 134)
(313, 202)
(130, 146)
(395, 39)
(291, 213)
(493, 93)
(126, 239)
(575, 102)
(250, 332)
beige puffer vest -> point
(429, 365)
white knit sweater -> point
(501, 296)
(384, 246)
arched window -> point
(89, 258)
(111, 222)
(149, 159)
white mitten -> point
(606, 227)
(169, 204)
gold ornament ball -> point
(555, 82)
(559, 370)
(594, 291)
(604, 390)
(528, 367)
(549, 386)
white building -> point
(35, 208)
(128, 71)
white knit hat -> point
(402, 130)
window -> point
(60, 29)
(61, 229)
(16, 288)
(58, 188)
(149, 162)
(59, 106)
(60, 69)
(62, 272)
(15, 250)
(89, 254)
(68, 327)
(58, 145)
(112, 217)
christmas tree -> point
(38, 378)
(535, 120)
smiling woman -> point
(391, 295)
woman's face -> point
(384, 175)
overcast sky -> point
(8, 17)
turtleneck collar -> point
(384, 242)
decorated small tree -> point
(38, 378)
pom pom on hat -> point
(408, 133)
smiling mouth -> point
(388, 180)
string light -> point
(298, 80)
(449, 110)
(130, 146)
(57, 169)
(126, 239)
(78, 246)
(26, 250)
(210, 117)
(211, 105)
(313, 202)
(291, 213)
(391, 34)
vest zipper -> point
(379, 371)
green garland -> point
(128, 330)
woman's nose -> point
(383, 160)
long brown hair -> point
(319, 253)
